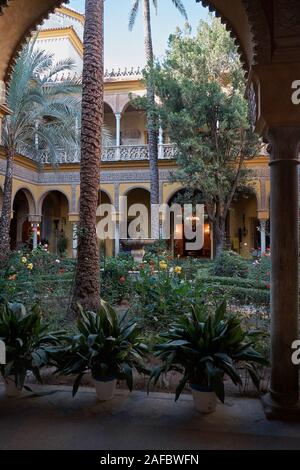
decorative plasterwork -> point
(261, 31)
(72, 13)
(70, 33)
(26, 34)
(286, 19)
(261, 37)
(73, 177)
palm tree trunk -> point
(151, 115)
(6, 207)
(87, 280)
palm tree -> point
(87, 278)
(152, 123)
(40, 121)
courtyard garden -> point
(151, 314)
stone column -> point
(117, 222)
(35, 236)
(160, 143)
(284, 273)
(74, 239)
(35, 221)
(263, 241)
(118, 134)
(117, 238)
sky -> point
(126, 49)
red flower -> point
(122, 280)
(268, 286)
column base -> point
(276, 412)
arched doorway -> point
(139, 196)
(178, 241)
(244, 226)
(133, 127)
(106, 246)
(20, 227)
(110, 125)
(56, 231)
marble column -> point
(161, 143)
(118, 134)
(35, 227)
(284, 272)
(117, 238)
(117, 221)
(74, 239)
(263, 236)
(35, 221)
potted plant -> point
(205, 347)
(106, 345)
(28, 345)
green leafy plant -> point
(205, 347)
(230, 264)
(160, 296)
(28, 343)
(260, 269)
(106, 344)
(115, 280)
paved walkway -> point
(136, 421)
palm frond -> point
(133, 13)
(180, 7)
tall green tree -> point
(201, 86)
(87, 280)
(152, 124)
(42, 120)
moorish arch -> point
(20, 226)
(56, 229)
(178, 243)
(18, 18)
(106, 244)
(268, 32)
(139, 195)
(30, 199)
(133, 126)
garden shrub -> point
(236, 282)
(237, 292)
(160, 296)
(158, 251)
(260, 270)
(230, 264)
(23, 263)
(115, 279)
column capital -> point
(285, 144)
(273, 92)
(74, 218)
(34, 218)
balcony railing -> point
(116, 154)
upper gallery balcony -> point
(117, 153)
